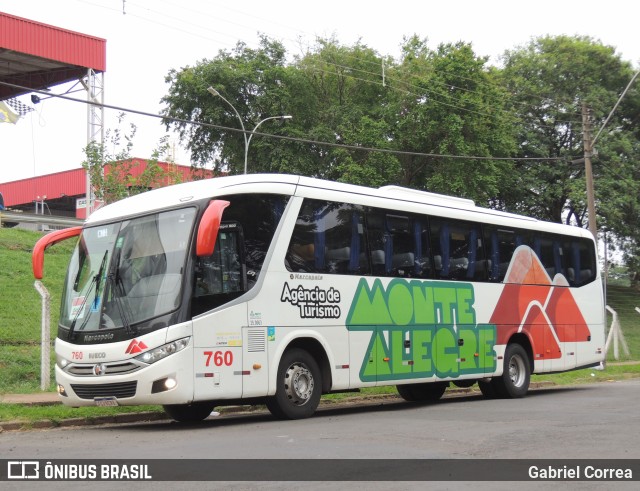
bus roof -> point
(182, 194)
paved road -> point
(585, 422)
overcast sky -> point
(153, 36)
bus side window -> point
(458, 252)
(402, 246)
(549, 251)
(258, 216)
(580, 263)
(393, 244)
(377, 241)
(301, 255)
(327, 238)
(220, 277)
(400, 261)
(501, 243)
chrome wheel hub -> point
(298, 384)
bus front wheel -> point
(514, 381)
(189, 413)
(299, 386)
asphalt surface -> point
(52, 398)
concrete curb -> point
(74, 422)
(35, 399)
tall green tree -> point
(256, 82)
(554, 81)
(448, 101)
(348, 98)
(551, 80)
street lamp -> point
(246, 148)
(247, 140)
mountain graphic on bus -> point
(541, 307)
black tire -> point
(189, 413)
(422, 392)
(464, 384)
(488, 389)
(299, 386)
(514, 381)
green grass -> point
(590, 375)
(624, 300)
(57, 413)
(20, 306)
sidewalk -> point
(34, 399)
(52, 399)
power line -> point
(376, 74)
(399, 69)
(510, 116)
(347, 55)
(408, 92)
(283, 137)
(172, 26)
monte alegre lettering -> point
(420, 329)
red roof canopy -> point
(37, 55)
(71, 183)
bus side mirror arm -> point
(209, 226)
(37, 257)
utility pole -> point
(588, 172)
(588, 151)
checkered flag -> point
(20, 108)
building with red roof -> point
(64, 193)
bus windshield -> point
(126, 273)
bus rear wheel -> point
(422, 392)
(299, 386)
(514, 381)
(189, 413)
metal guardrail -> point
(13, 217)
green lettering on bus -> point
(420, 329)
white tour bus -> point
(277, 288)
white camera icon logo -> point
(23, 469)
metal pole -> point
(45, 337)
(214, 92)
(588, 171)
(606, 267)
(588, 150)
(246, 152)
(90, 122)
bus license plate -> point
(106, 401)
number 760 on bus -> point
(218, 358)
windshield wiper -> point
(77, 278)
(115, 279)
(95, 281)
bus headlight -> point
(163, 351)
